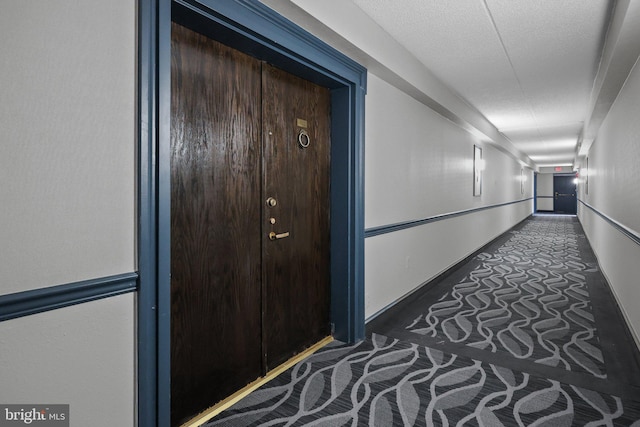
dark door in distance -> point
(564, 190)
(242, 301)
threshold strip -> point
(205, 416)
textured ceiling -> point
(527, 65)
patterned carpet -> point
(386, 382)
(531, 313)
(525, 332)
(529, 297)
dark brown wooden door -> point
(242, 303)
(296, 267)
(215, 222)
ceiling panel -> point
(526, 65)
(555, 48)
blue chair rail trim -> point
(40, 300)
(635, 237)
(544, 197)
(384, 229)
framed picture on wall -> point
(586, 176)
(477, 170)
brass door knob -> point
(274, 236)
(271, 202)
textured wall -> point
(68, 141)
(614, 190)
(67, 201)
(81, 355)
(420, 165)
(614, 158)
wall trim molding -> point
(147, 203)
(635, 237)
(35, 301)
(390, 228)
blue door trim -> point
(147, 99)
(249, 26)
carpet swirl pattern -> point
(387, 382)
(524, 333)
(528, 298)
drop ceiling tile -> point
(526, 65)
(555, 49)
(455, 40)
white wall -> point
(67, 153)
(81, 355)
(67, 200)
(545, 191)
(419, 165)
(614, 190)
(397, 263)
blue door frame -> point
(249, 26)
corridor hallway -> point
(525, 331)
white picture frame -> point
(478, 166)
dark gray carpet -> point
(541, 314)
(386, 382)
(524, 332)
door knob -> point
(274, 236)
(271, 202)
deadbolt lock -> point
(271, 202)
